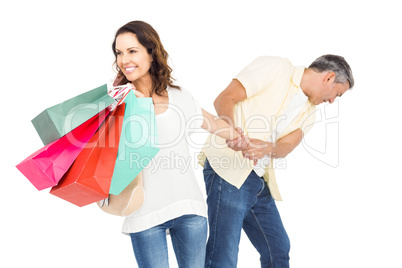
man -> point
(273, 102)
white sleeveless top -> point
(171, 188)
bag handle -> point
(119, 93)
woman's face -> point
(132, 57)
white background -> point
(341, 187)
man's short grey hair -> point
(336, 64)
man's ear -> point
(329, 78)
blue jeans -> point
(188, 234)
(252, 208)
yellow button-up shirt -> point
(270, 83)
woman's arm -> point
(220, 127)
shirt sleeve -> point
(259, 74)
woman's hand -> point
(137, 93)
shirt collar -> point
(297, 75)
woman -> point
(173, 201)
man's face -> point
(327, 90)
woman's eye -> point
(133, 51)
(118, 53)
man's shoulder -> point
(272, 59)
(271, 62)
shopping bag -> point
(58, 120)
(138, 142)
(45, 167)
(88, 179)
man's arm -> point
(258, 148)
(287, 144)
(225, 102)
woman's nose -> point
(125, 59)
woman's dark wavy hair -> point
(160, 71)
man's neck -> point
(305, 81)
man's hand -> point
(240, 143)
(257, 149)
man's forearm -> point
(258, 148)
(224, 109)
(224, 103)
(279, 150)
(287, 144)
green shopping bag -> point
(58, 120)
(139, 142)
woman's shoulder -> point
(180, 92)
(183, 99)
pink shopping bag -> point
(46, 167)
(88, 179)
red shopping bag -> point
(46, 167)
(88, 179)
